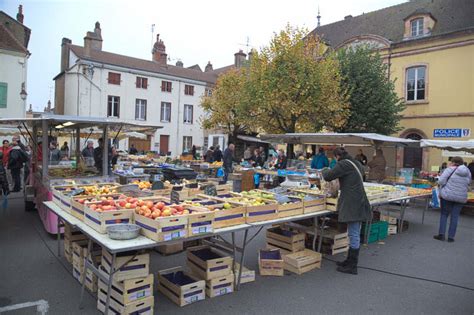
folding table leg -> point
(427, 204)
(59, 237)
(244, 244)
(403, 206)
(86, 266)
(109, 283)
(233, 251)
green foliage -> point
(374, 105)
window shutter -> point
(137, 82)
(144, 108)
(118, 106)
(3, 94)
(145, 83)
(163, 86)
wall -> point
(91, 100)
(13, 72)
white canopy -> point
(338, 138)
(450, 145)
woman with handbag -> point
(453, 185)
(353, 205)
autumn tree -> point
(229, 108)
(294, 86)
(374, 104)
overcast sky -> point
(194, 31)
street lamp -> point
(23, 93)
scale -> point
(296, 181)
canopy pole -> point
(116, 136)
(44, 147)
(78, 145)
(105, 152)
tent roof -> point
(450, 145)
(338, 138)
(251, 139)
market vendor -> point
(88, 151)
(353, 205)
(377, 167)
(320, 160)
(281, 160)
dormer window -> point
(416, 27)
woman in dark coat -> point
(353, 205)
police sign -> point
(451, 133)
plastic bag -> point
(220, 172)
(435, 201)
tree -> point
(228, 107)
(294, 86)
(374, 105)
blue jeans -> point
(353, 229)
(449, 208)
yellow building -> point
(429, 47)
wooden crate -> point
(285, 239)
(91, 278)
(163, 228)
(389, 219)
(270, 263)
(129, 291)
(170, 249)
(392, 229)
(142, 307)
(296, 207)
(302, 262)
(99, 221)
(225, 217)
(77, 208)
(316, 205)
(220, 286)
(137, 267)
(247, 274)
(60, 198)
(205, 268)
(181, 294)
(331, 204)
(200, 221)
(335, 237)
(262, 213)
(79, 251)
(72, 234)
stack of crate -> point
(132, 284)
(392, 223)
(181, 287)
(291, 244)
(79, 253)
(71, 236)
(378, 232)
(208, 264)
(334, 241)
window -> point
(416, 27)
(113, 106)
(142, 83)
(188, 114)
(166, 86)
(187, 143)
(165, 112)
(208, 92)
(188, 89)
(140, 109)
(114, 78)
(3, 94)
(415, 78)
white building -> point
(96, 83)
(14, 38)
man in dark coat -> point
(353, 205)
(16, 159)
(227, 161)
(217, 155)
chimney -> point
(179, 63)
(65, 53)
(347, 17)
(208, 67)
(93, 40)
(19, 15)
(239, 59)
(159, 52)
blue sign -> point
(451, 133)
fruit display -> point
(258, 194)
(418, 191)
(102, 206)
(99, 189)
(142, 185)
(84, 200)
(154, 210)
(215, 163)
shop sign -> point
(451, 133)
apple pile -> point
(92, 199)
(155, 210)
(104, 205)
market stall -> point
(46, 173)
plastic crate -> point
(378, 231)
(383, 230)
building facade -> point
(429, 48)
(14, 54)
(96, 83)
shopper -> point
(281, 160)
(353, 206)
(228, 159)
(377, 167)
(471, 169)
(4, 187)
(209, 158)
(320, 160)
(444, 166)
(65, 149)
(16, 160)
(263, 154)
(257, 160)
(248, 154)
(88, 151)
(361, 157)
(54, 153)
(98, 155)
(217, 155)
(115, 156)
(5, 152)
(133, 150)
(454, 185)
(194, 152)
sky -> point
(194, 31)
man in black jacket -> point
(228, 159)
(217, 155)
(16, 160)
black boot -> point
(439, 237)
(352, 261)
(342, 263)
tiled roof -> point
(451, 16)
(141, 64)
(8, 41)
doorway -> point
(413, 157)
(164, 144)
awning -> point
(450, 145)
(338, 139)
(251, 139)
